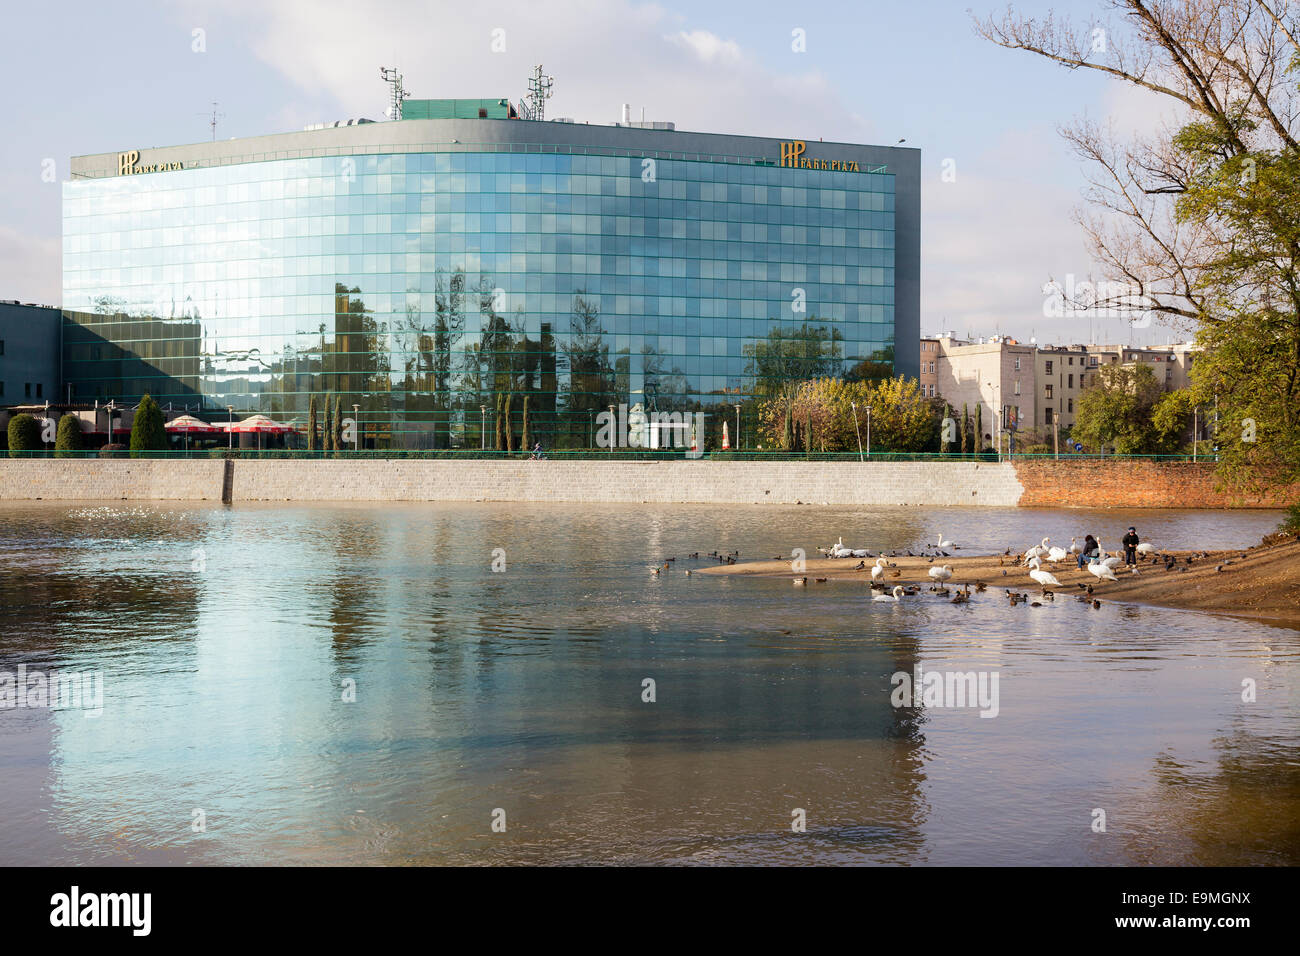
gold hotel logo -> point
(792, 154)
(128, 164)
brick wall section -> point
(852, 483)
(1131, 484)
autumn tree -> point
(1198, 222)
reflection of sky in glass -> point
(522, 690)
(256, 284)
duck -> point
(962, 596)
(800, 582)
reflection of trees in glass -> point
(360, 356)
(810, 351)
(430, 350)
(591, 385)
(877, 368)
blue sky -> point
(97, 77)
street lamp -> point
(868, 408)
(109, 408)
(613, 429)
(356, 428)
(231, 431)
(737, 428)
(482, 427)
(997, 411)
(854, 405)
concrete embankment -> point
(1082, 484)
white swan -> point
(942, 544)
(1074, 546)
(1145, 548)
(1037, 549)
(878, 570)
(1102, 571)
(940, 574)
(1045, 578)
(1055, 554)
(1110, 561)
(893, 595)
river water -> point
(231, 641)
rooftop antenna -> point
(212, 119)
(539, 91)
(390, 76)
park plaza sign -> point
(792, 154)
(128, 164)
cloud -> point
(708, 46)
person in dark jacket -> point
(1130, 542)
(1091, 551)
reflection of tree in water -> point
(1245, 811)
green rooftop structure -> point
(458, 109)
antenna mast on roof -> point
(390, 76)
(212, 119)
(539, 91)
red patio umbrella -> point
(259, 424)
(188, 425)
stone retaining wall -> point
(1028, 483)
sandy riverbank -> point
(1264, 584)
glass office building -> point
(445, 273)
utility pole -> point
(212, 119)
(1056, 433)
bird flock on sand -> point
(1040, 562)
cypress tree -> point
(498, 441)
(311, 423)
(338, 422)
(148, 433)
(965, 429)
(947, 417)
(329, 427)
(510, 432)
(24, 434)
(979, 427)
(68, 438)
(525, 443)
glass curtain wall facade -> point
(440, 291)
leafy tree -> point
(1116, 410)
(902, 418)
(1171, 420)
(24, 434)
(68, 437)
(1199, 222)
(148, 433)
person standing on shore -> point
(1090, 551)
(1130, 542)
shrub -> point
(24, 434)
(148, 433)
(115, 450)
(1291, 520)
(68, 439)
